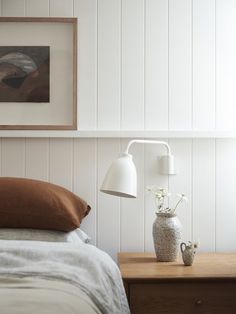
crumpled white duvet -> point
(83, 265)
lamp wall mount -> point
(166, 161)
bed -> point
(50, 270)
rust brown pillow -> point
(26, 203)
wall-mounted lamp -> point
(121, 177)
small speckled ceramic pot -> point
(166, 236)
(188, 254)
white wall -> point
(154, 65)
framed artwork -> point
(38, 73)
(24, 73)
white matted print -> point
(32, 95)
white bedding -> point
(82, 265)
(43, 297)
(75, 236)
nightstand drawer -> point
(183, 297)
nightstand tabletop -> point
(136, 266)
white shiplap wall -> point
(144, 65)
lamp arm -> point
(148, 142)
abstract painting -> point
(24, 74)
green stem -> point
(179, 201)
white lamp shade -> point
(121, 178)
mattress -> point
(48, 277)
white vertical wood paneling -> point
(37, 158)
(108, 215)
(132, 215)
(152, 177)
(13, 157)
(13, 7)
(225, 195)
(225, 64)
(86, 11)
(37, 8)
(61, 162)
(85, 180)
(134, 49)
(132, 101)
(109, 16)
(156, 65)
(204, 64)
(182, 183)
(61, 8)
(180, 68)
(204, 193)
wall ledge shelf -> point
(116, 134)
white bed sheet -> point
(82, 265)
(43, 297)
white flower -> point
(193, 245)
(196, 244)
(160, 195)
(182, 197)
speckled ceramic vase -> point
(166, 236)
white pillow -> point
(44, 235)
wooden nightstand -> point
(207, 287)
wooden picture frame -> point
(60, 34)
